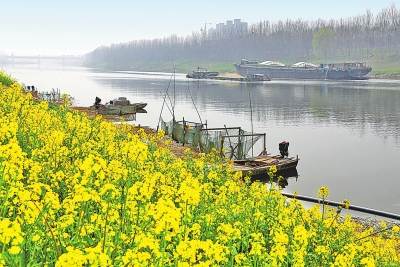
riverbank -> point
(180, 150)
(384, 75)
(90, 188)
(384, 66)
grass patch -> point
(6, 80)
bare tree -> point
(357, 36)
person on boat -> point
(284, 149)
(97, 102)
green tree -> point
(322, 41)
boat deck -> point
(262, 164)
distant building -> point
(233, 28)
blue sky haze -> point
(76, 27)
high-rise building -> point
(230, 29)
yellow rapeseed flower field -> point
(80, 191)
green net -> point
(234, 143)
(185, 132)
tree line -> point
(297, 40)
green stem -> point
(323, 208)
(163, 246)
(374, 233)
(80, 222)
(105, 228)
(51, 231)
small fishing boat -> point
(235, 144)
(119, 106)
(262, 164)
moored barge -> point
(304, 70)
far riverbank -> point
(383, 66)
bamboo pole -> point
(351, 207)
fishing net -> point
(234, 143)
(185, 132)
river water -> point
(346, 133)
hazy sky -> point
(66, 27)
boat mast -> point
(194, 104)
(173, 106)
(251, 120)
(164, 99)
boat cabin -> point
(121, 101)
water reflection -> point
(357, 105)
(281, 178)
(142, 110)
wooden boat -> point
(262, 164)
(119, 106)
(235, 143)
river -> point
(346, 133)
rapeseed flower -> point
(76, 191)
(14, 250)
(323, 192)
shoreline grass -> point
(384, 66)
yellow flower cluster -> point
(76, 191)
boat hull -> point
(117, 110)
(140, 105)
(303, 73)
